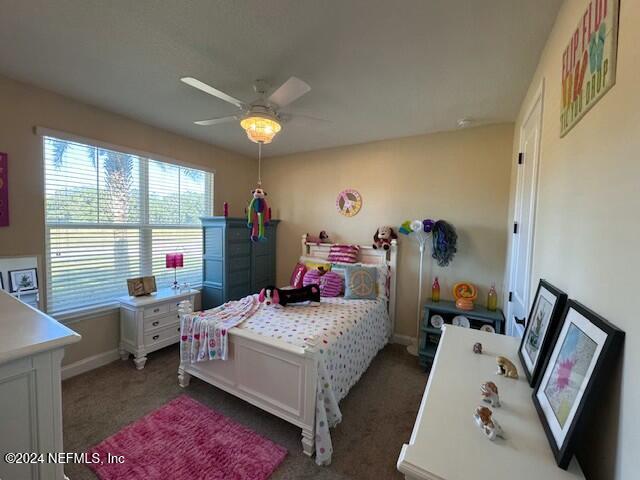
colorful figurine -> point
(489, 392)
(477, 348)
(258, 214)
(506, 367)
(490, 427)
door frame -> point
(538, 99)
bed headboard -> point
(368, 255)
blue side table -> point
(430, 335)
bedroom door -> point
(521, 245)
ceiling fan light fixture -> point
(260, 128)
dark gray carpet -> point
(378, 413)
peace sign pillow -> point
(361, 283)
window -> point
(112, 215)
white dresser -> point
(446, 443)
(31, 349)
(150, 322)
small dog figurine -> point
(489, 392)
(490, 427)
(275, 296)
(506, 367)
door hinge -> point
(510, 296)
(515, 227)
(520, 158)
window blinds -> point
(111, 216)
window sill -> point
(80, 314)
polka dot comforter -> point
(347, 334)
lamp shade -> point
(261, 128)
(174, 260)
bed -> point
(298, 362)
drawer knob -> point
(155, 337)
(156, 310)
(156, 323)
(519, 321)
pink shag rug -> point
(187, 440)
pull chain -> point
(259, 164)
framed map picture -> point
(589, 61)
(546, 310)
(581, 359)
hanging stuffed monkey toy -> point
(258, 214)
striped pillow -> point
(311, 276)
(330, 283)
(344, 253)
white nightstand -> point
(149, 323)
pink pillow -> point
(330, 283)
(344, 253)
(312, 276)
(297, 277)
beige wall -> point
(25, 106)
(460, 176)
(587, 224)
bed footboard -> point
(270, 374)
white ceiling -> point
(378, 68)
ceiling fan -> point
(262, 118)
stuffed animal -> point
(276, 296)
(323, 237)
(383, 237)
(258, 214)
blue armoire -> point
(233, 265)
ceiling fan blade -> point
(195, 83)
(216, 121)
(289, 92)
(287, 117)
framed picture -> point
(141, 286)
(546, 309)
(583, 353)
(23, 280)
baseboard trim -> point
(89, 363)
(402, 339)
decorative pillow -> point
(344, 253)
(331, 285)
(340, 269)
(315, 263)
(383, 283)
(361, 283)
(297, 275)
(312, 276)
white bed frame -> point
(273, 375)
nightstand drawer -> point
(156, 310)
(161, 336)
(154, 323)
